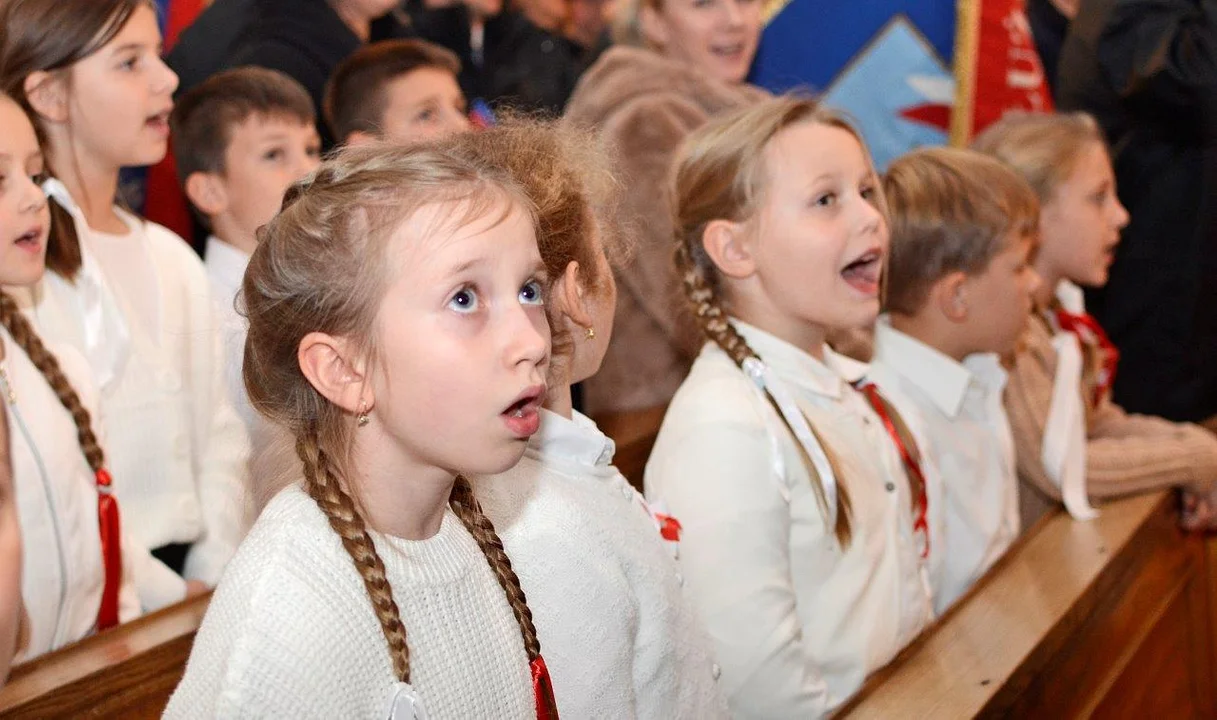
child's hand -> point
(195, 587)
(1199, 513)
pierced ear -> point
(951, 294)
(570, 295)
(328, 363)
(48, 95)
(653, 27)
(207, 192)
(727, 245)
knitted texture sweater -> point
(291, 632)
(1125, 453)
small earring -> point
(362, 418)
(591, 333)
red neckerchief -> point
(111, 550)
(1088, 331)
(921, 526)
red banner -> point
(997, 68)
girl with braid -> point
(77, 577)
(397, 331)
(592, 553)
(802, 537)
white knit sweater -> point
(617, 635)
(291, 632)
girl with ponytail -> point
(77, 578)
(397, 332)
(801, 526)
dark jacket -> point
(1147, 70)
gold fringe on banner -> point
(967, 42)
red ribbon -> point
(669, 527)
(543, 690)
(111, 551)
(1088, 330)
(921, 526)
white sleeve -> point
(223, 454)
(734, 555)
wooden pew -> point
(127, 672)
(1111, 618)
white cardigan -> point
(618, 637)
(177, 449)
(62, 580)
(291, 633)
(798, 624)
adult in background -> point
(1147, 71)
(677, 63)
(1049, 21)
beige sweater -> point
(645, 104)
(1124, 453)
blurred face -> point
(24, 218)
(999, 299)
(545, 14)
(120, 98)
(464, 341)
(265, 155)
(1080, 224)
(424, 104)
(10, 558)
(821, 239)
(718, 37)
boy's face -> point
(265, 155)
(423, 104)
(998, 300)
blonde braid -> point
(718, 328)
(26, 337)
(322, 485)
(467, 508)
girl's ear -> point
(48, 95)
(951, 295)
(569, 294)
(726, 243)
(330, 366)
(653, 27)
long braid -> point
(27, 338)
(322, 485)
(718, 328)
(467, 508)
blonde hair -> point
(719, 173)
(320, 267)
(951, 210)
(1044, 148)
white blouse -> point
(798, 622)
(955, 413)
(178, 451)
(63, 575)
(617, 634)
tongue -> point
(863, 277)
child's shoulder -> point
(168, 245)
(715, 390)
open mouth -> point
(863, 274)
(523, 416)
(30, 240)
(727, 51)
(159, 121)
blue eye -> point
(532, 293)
(464, 301)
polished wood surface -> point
(127, 672)
(1108, 618)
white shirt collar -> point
(577, 439)
(944, 380)
(798, 366)
(225, 262)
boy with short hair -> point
(958, 296)
(397, 90)
(241, 138)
